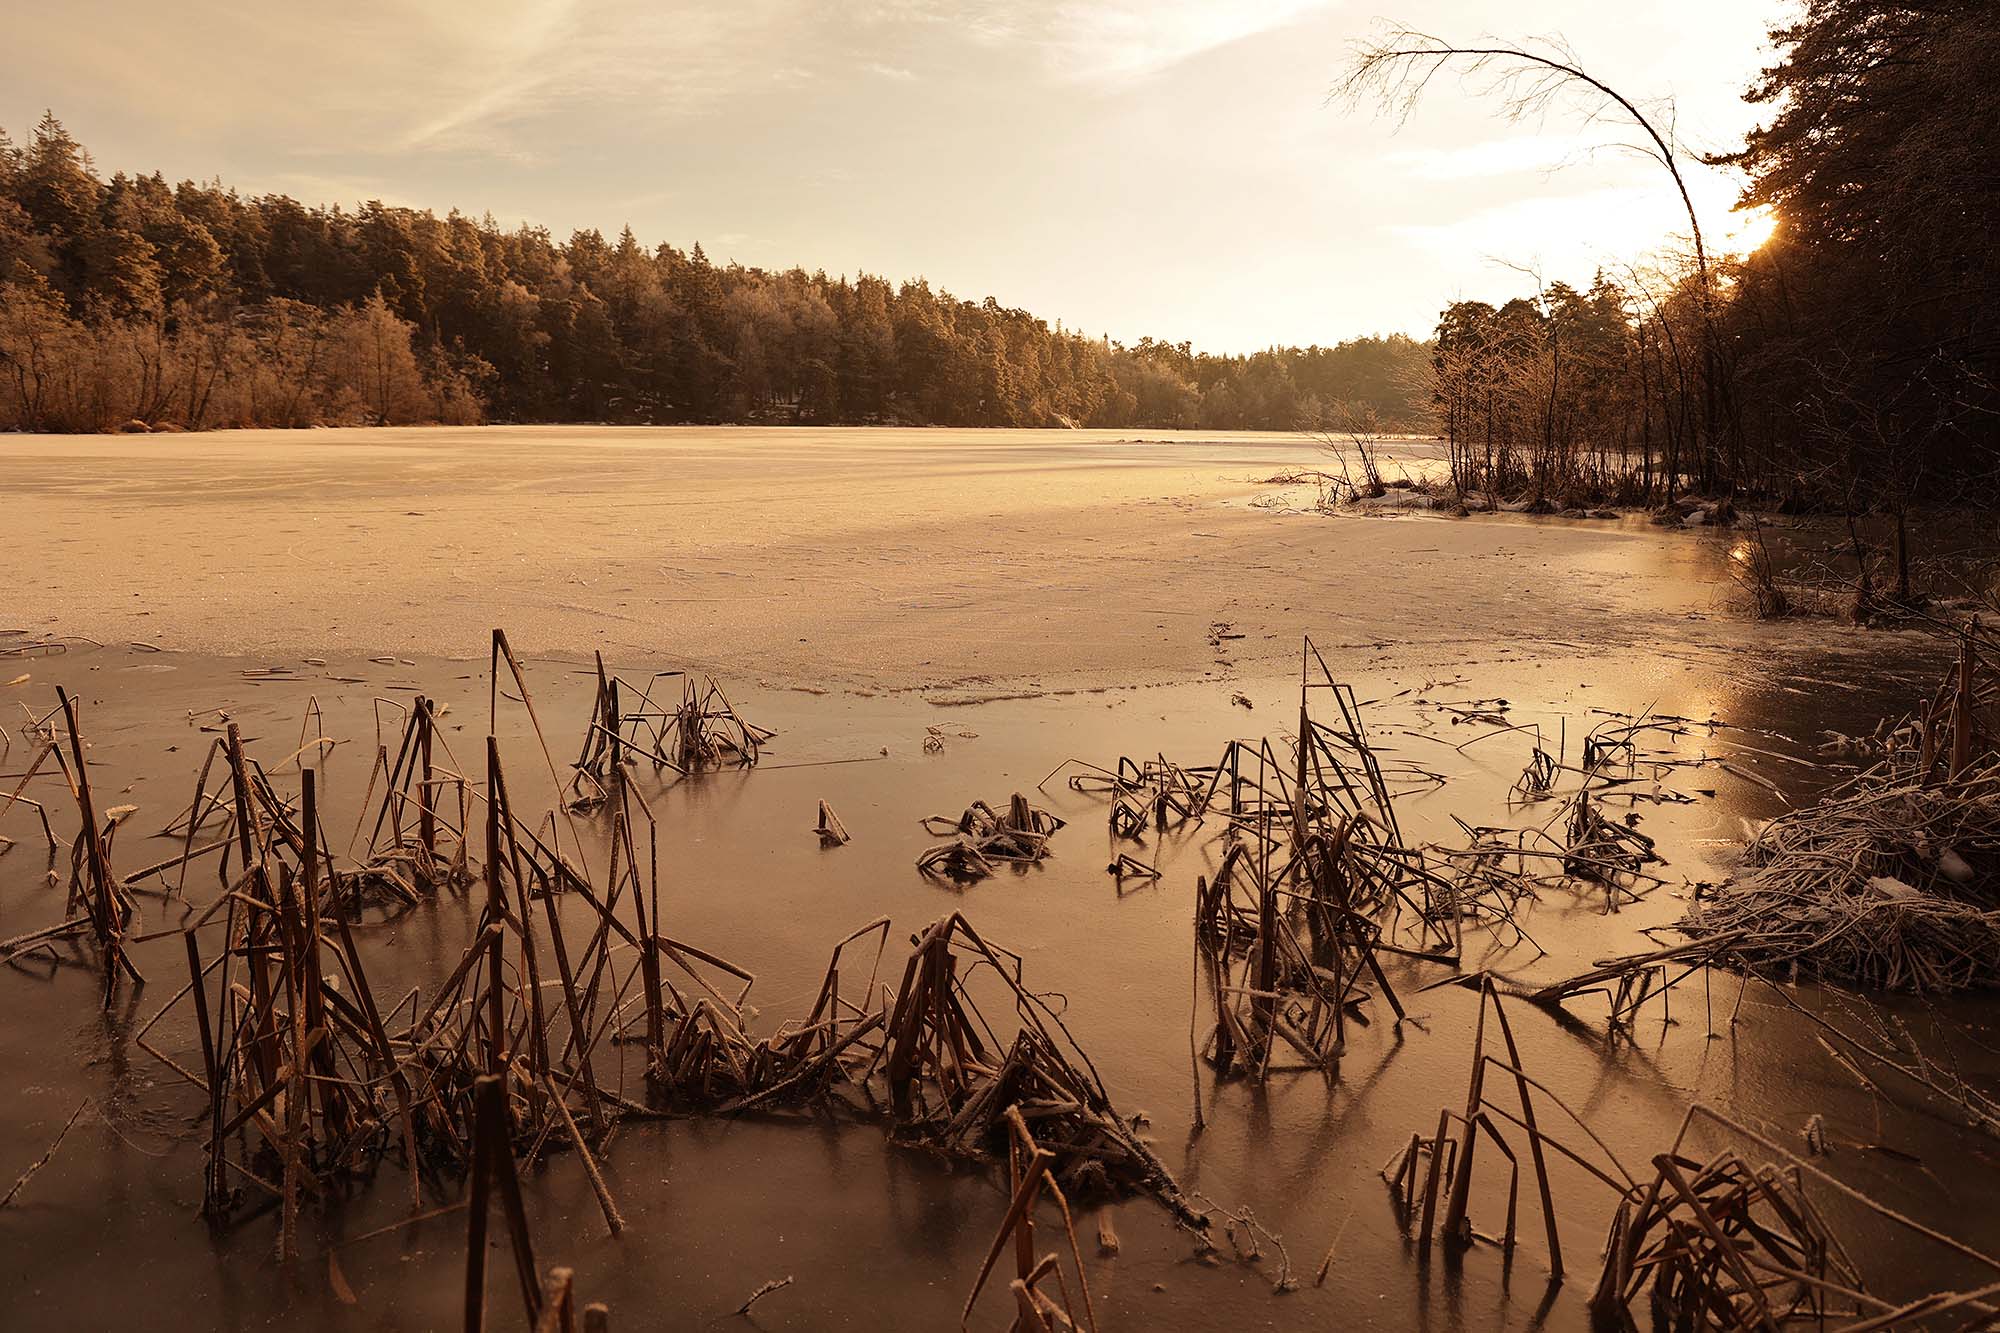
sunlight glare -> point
(1748, 230)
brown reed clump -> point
(311, 1079)
(1892, 881)
(1716, 1242)
(699, 732)
(984, 838)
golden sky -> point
(1163, 167)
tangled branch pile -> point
(1890, 881)
(1725, 1243)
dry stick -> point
(502, 649)
(1017, 1208)
(294, 1087)
(775, 1284)
(558, 1302)
(213, 1190)
(478, 1200)
(426, 816)
(48, 748)
(493, 1165)
(394, 782)
(44, 1159)
(172, 861)
(1730, 1255)
(264, 1048)
(1194, 1008)
(1024, 1230)
(299, 927)
(239, 786)
(381, 766)
(1957, 1247)
(197, 816)
(22, 943)
(1461, 1181)
(1431, 1183)
(1983, 1115)
(108, 925)
(139, 1036)
(832, 833)
(1534, 1140)
(1326, 1264)
(1069, 1229)
(650, 957)
(1961, 711)
(1925, 1306)
(398, 1226)
(398, 1081)
(496, 916)
(532, 975)
(576, 1021)
(605, 1202)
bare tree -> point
(1397, 67)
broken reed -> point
(631, 722)
(1317, 881)
(550, 1304)
(306, 1087)
(1716, 1243)
(96, 902)
(309, 1077)
(982, 839)
(1713, 1243)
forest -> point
(1850, 364)
(136, 301)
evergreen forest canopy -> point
(189, 305)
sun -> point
(1748, 230)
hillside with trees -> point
(190, 305)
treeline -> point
(1851, 363)
(190, 305)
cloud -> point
(1509, 156)
(512, 56)
(1126, 39)
(629, 56)
(525, 80)
(1096, 40)
(1570, 204)
(489, 80)
(1566, 233)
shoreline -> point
(981, 563)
